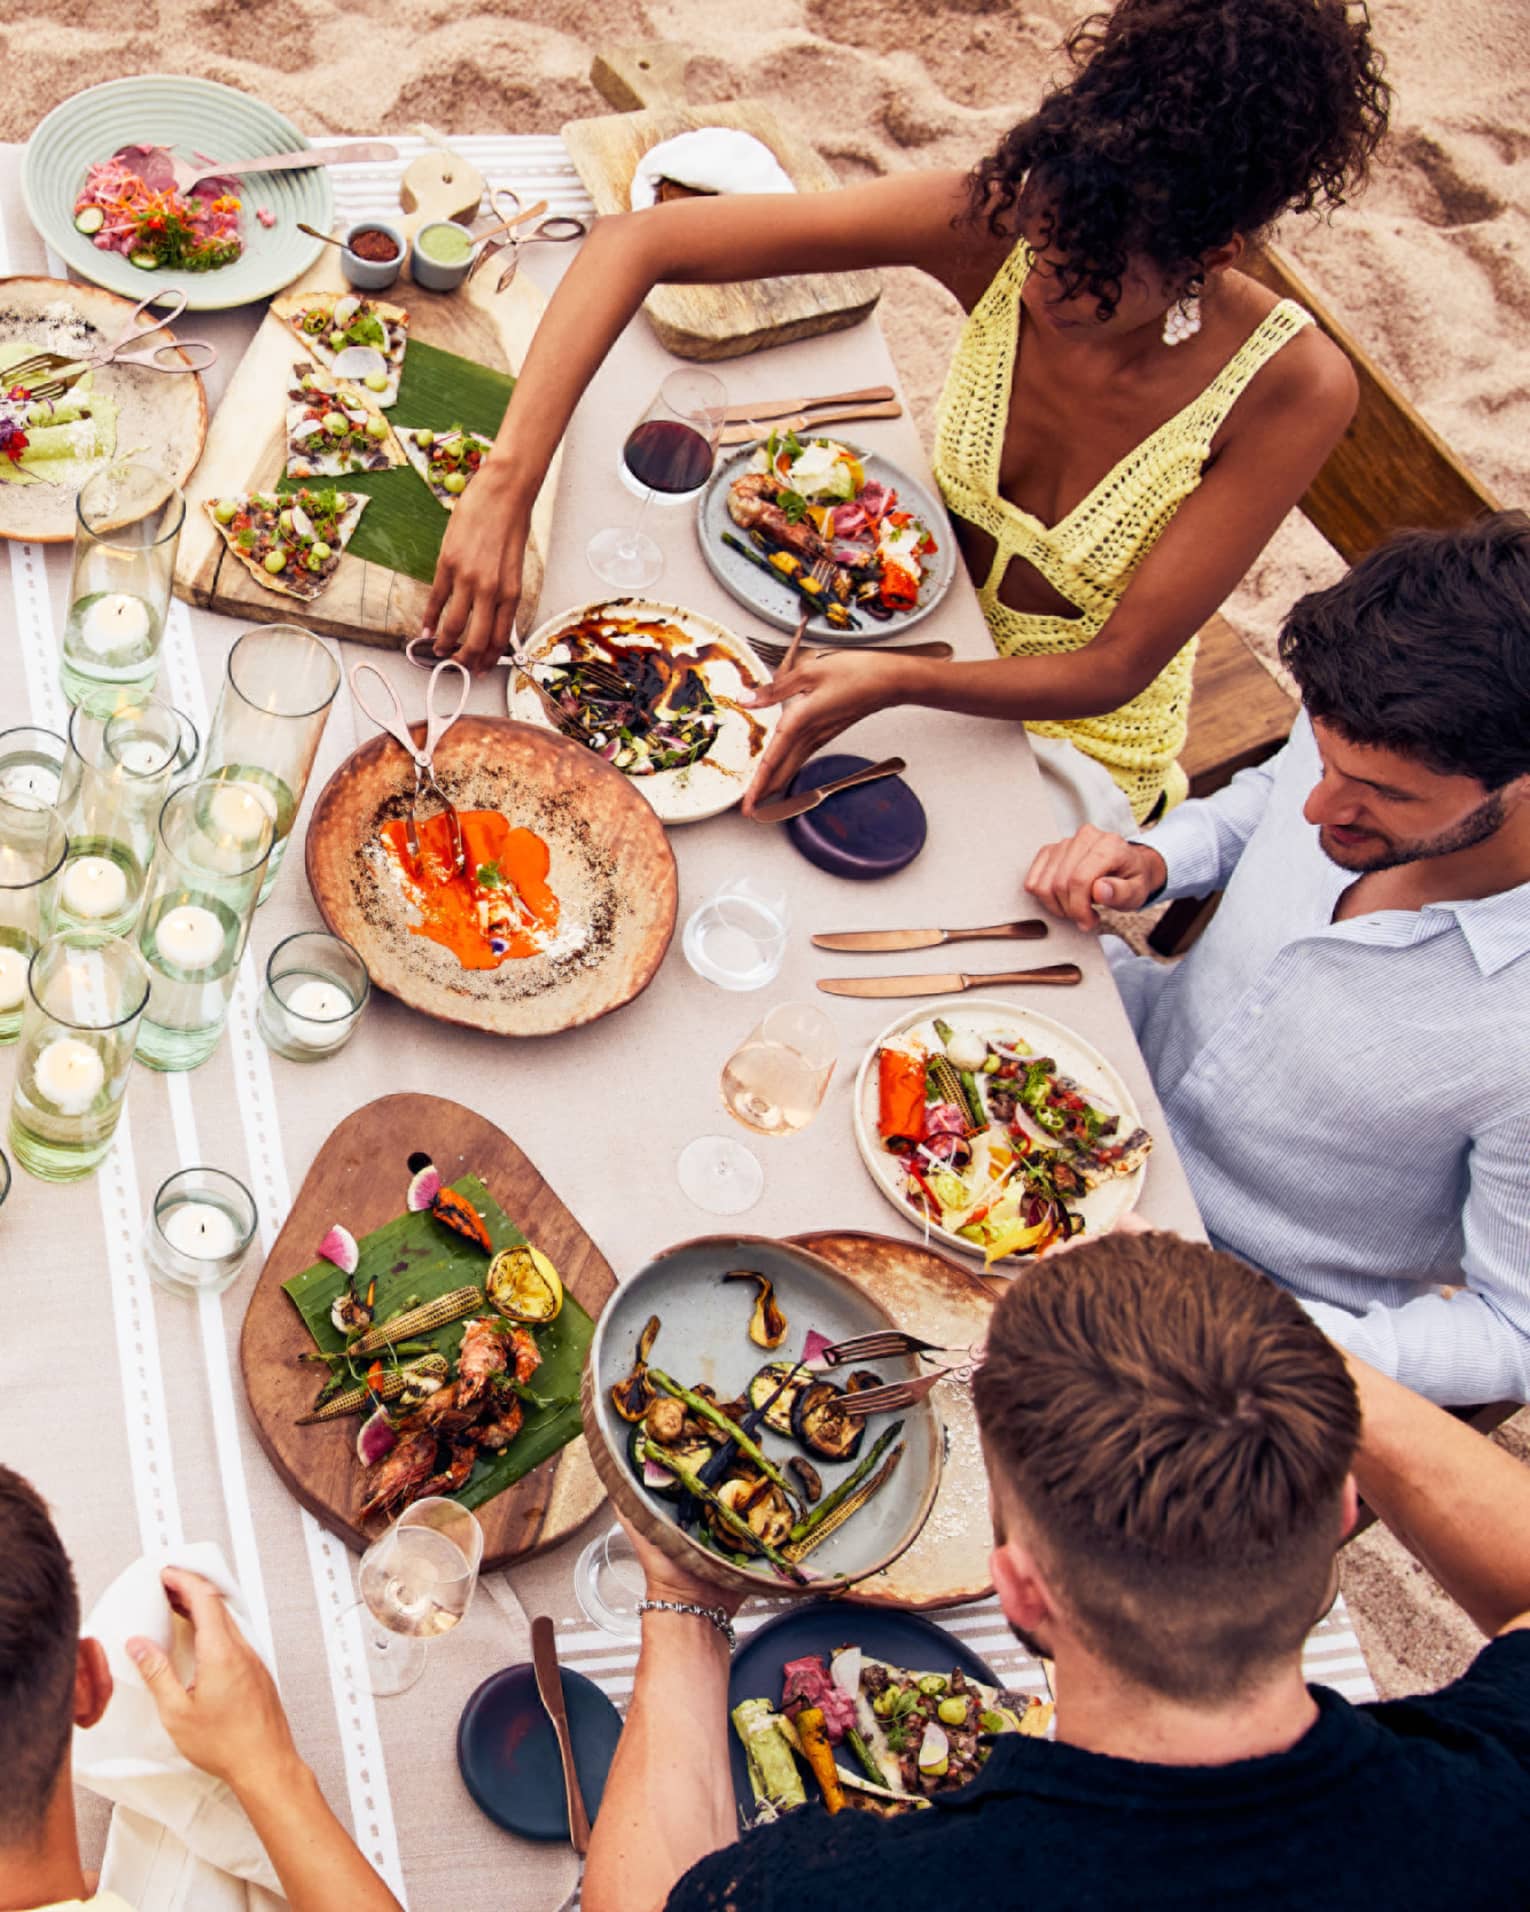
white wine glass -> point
(416, 1582)
(668, 452)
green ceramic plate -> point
(195, 117)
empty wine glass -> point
(416, 1582)
(609, 1582)
(670, 450)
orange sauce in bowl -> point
(453, 908)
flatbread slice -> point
(309, 528)
(444, 458)
(331, 324)
(335, 427)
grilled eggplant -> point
(821, 1424)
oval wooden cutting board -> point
(936, 1299)
(318, 1463)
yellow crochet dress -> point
(1089, 556)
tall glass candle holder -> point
(276, 697)
(316, 988)
(33, 844)
(31, 765)
(116, 776)
(199, 1231)
(85, 998)
(128, 522)
(215, 837)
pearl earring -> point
(1183, 319)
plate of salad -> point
(803, 520)
(98, 187)
(998, 1130)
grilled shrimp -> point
(502, 1426)
(396, 1477)
(454, 1474)
(528, 1356)
(484, 1353)
(751, 504)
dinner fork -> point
(773, 654)
(882, 1343)
(898, 1394)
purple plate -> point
(876, 829)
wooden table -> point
(122, 1404)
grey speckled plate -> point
(704, 1337)
(195, 117)
(779, 604)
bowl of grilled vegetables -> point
(725, 1433)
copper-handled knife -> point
(748, 434)
(544, 1661)
(766, 408)
(1028, 931)
(951, 985)
(779, 809)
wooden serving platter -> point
(246, 449)
(318, 1464)
(722, 321)
(934, 1298)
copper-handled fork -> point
(884, 1343)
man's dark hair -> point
(1176, 1432)
(1188, 123)
(39, 1640)
(1424, 648)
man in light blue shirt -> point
(1344, 1056)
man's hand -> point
(471, 613)
(831, 691)
(1094, 869)
(229, 1721)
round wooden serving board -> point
(612, 869)
(932, 1297)
(318, 1464)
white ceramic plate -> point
(778, 603)
(718, 780)
(1101, 1208)
(195, 117)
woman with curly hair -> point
(1128, 417)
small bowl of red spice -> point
(373, 255)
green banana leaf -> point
(402, 528)
(415, 1255)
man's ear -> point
(1021, 1589)
(92, 1683)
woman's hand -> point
(471, 613)
(832, 690)
(666, 1579)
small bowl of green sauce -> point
(441, 254)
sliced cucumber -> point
(145, 261)
(89, 220)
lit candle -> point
(31, 783)
(200, 1229)
(70, 1074)
(13, 978)
(94, 886)
(143, 757)
(116, 621)
(241, 809)
(319, 1014)
(189, 936)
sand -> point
(1431, 270)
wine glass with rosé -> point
(416, 1582)
(668, 453)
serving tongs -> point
(45, 375)
(421, 755)
(508, 237)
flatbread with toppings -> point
(290, 543)
(357, 338)
(447, 461)
(335, 427)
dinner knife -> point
(1029, 931)
(951, 985)
(767, 408)
(781, 809)
(544, 1661)
(748, 434)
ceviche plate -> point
(777, 601)
(195, 117)
(1100, 1208)
(639, 641)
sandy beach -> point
(1431, 269)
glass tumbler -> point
(316, 988)
(199, 1231)
(128, 522)
(276, 697)
(33, 844)
(31, 764)
(215, 839)
(85, 996)
(116, 775)
(737, 937)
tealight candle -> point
(144, 757)
(30, 783)
(116, 621)
(200, 1229)
(94, 886)
(13, 978)
(316, 989)
(69, 1074)
(319, 1014)
(240, 810)
(189, 936)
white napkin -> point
(179, 1838)
(715, 159)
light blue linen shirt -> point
(1351, 1100)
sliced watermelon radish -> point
(375, 1437)
(424, 1189)
(339, 1246)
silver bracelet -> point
(717, 1615)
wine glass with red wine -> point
(669, 454)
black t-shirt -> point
(1406, 1803)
